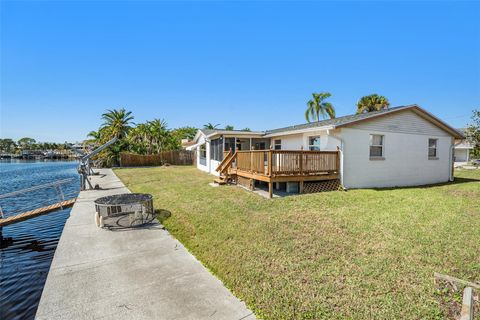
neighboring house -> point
(462, 149)
(185, 143)
(401, 146)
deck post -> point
(300, 187)
(270, 190)
(337, 164)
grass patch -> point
(361, 254)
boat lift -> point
(85, 168)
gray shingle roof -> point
(334, 122)
(210, 131)
(341, 121)
(207, 131)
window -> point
(216, 149)
(432, 148)
(314, 143)
(230, 144)
(277, 144)
(203, 155)
(203, 151)
(376, 146)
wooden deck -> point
(35, 213)
(281, 166)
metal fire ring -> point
(124, 210)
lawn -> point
(361, 254)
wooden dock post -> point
(467, 304)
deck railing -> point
(287, 162)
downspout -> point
(207, 156)
(450, 162)
(341, 157)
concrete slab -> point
(130, 274)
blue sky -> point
(248, 64)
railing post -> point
(270, 163)
(301, 160)
(251, 161)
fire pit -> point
(124, 210)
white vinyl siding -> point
(405, 160)
(401, 122)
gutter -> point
(450, 163)
(298, 131)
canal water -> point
(27, 248)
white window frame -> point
(435, 157)
(202, 149)
(312, 146)
(277, 143)
(382, 157)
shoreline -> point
(140, 273)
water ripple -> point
(27, 248)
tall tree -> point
(117, 123)
(373, 102)
(7, 145)
(473, 133)
(211, 126)
(317, 107)
(229, 127)
(158, 134)
(26, 143)
(184, 133)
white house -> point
(462, 150)
(400, 146)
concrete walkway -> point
(134, 274)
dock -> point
(141, 273)
(36, 212)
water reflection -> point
(27, 248)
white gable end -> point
(401, 122)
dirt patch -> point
(462, 193)
(450, 297)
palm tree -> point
(117, 122)
(373, 102)
(211, 126)
(138, 139)
(318, 107)
(229, 127)
(158, 134)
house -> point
(462, 150)
(185, 143)
(400, 146)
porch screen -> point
(230, 144)
(216, 149)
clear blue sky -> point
(248, 64)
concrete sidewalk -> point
(134, 274)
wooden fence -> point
(177, 157)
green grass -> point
(361, 254)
